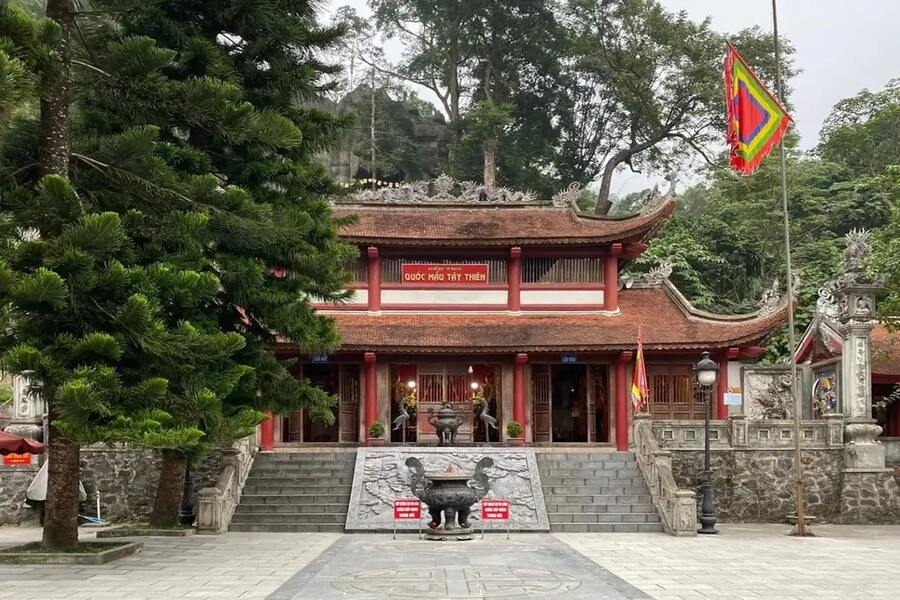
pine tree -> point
(98, 326)
(199, 141)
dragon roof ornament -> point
(444, 190)
(772, 296)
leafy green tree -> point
(494, 67)
(646, 89)
(863, 132)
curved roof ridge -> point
(692, 311)
(663, 210)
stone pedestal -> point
(862, 450)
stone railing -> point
(677, 508)
(216, 505)
(739, 432)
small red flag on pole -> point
(756, 119)
(640, 391)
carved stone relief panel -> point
(381, 476)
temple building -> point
(483, 296)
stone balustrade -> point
(740, 432)
(677, 507)
(216, 505)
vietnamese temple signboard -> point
(443, 274)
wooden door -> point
(349, 404)
(540, 402)
(600, 418)
(672, 393)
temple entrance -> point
(420, 388)
(341, 381)
(568, 399)
(570, 403)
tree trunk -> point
(170, 490)
(490, 162)
(55, 94)
(453, 93)
(61, 508)
(603, 203)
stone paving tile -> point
(753, 561)
(234, 565)
(529, 566)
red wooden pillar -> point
(722, 410)
(514, 279)
(373, 275)
(896, 407)
(267, 433)
(371, 401)
(622, 401)
(519, 391)
(611, 278)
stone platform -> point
(381, 476)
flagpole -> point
(799, 493)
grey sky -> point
(842, 46)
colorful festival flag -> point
(640, 391)
(756, 120)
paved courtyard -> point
(747, 561)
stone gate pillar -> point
(854, 294)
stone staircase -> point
(297, 491)
(596, 490)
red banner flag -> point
(640, 391)
(756, 119)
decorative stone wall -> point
(381, 476)
(870, 497)
(127, 480)
(758, 485)
(752, 465)
(126, 477)
(13, 483)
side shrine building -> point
(474, 295)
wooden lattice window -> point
(562, 270)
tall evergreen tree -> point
(190, 126)
(83, 316)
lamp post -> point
(706, 371)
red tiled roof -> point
(885, 351)
(494, 225)
(664, 325)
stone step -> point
(602, 508)
(606, 527)
(287, 488)
(287, 527)
(297, 518)
(642, 498)
(630, 517)
(544, 452)
(608, 490)
(290, 509)
(591, 481)
(259, 480)
(294, 499)
(306, 464)
(635, 472)
(308, 457)
(582, 464)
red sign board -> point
(17, 459)
(443, 274)
(495, 510)
(407, 509)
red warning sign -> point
(407, 509)
(495, 510)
